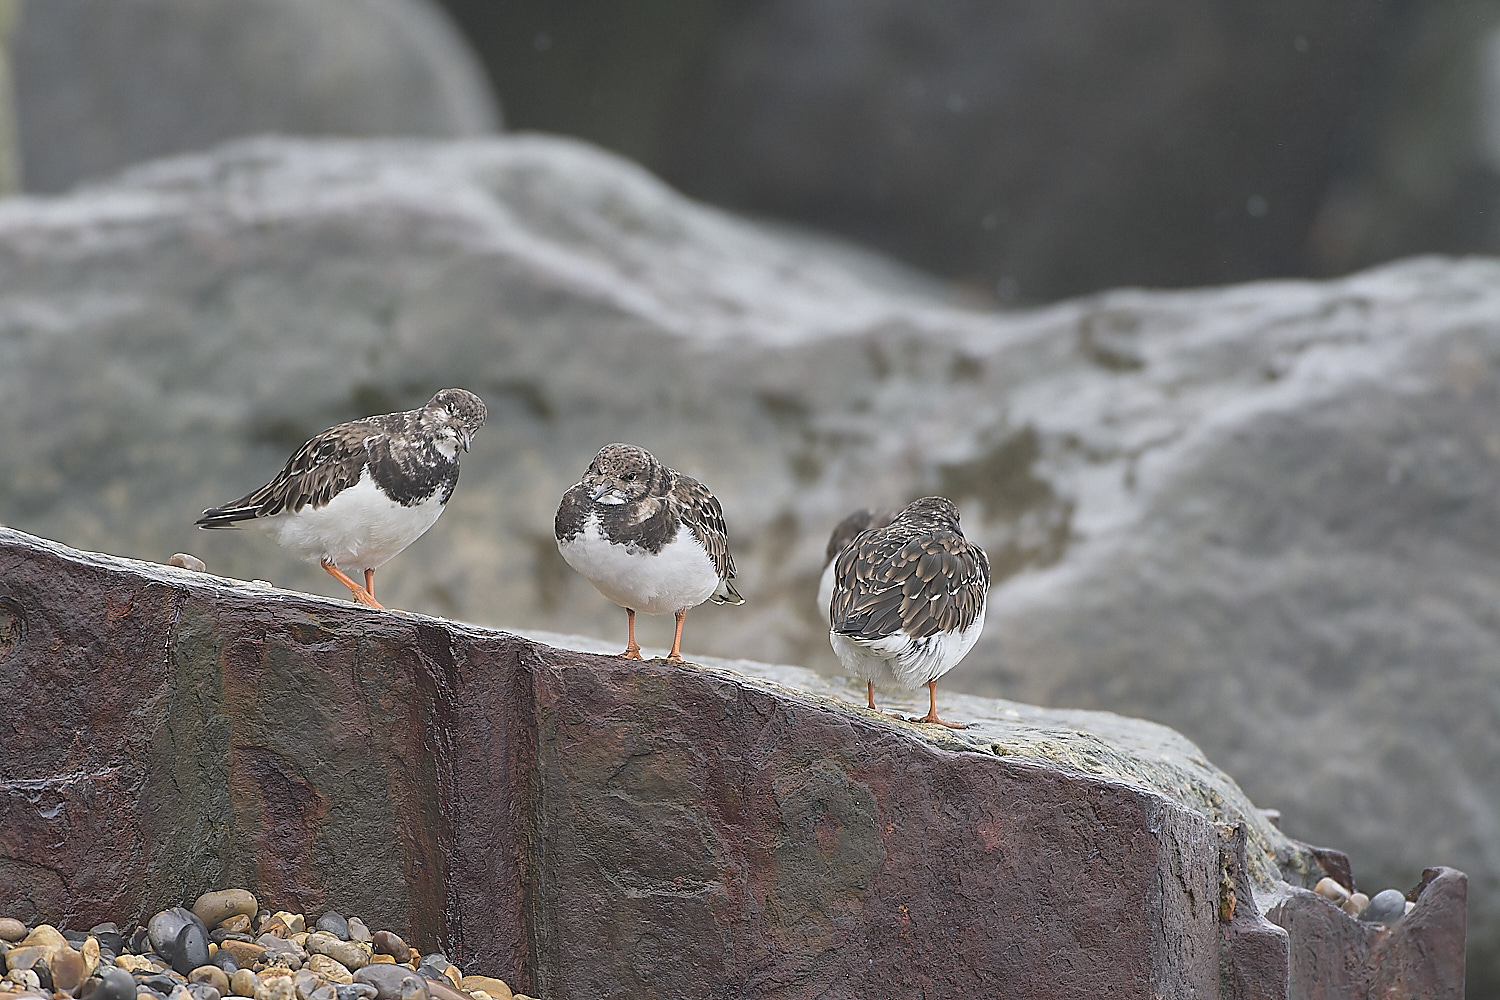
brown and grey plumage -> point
(649, 538)
(908, 600)
(360, 492)
(843, 533)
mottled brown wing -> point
(318, 470)
(700, 511)
(922, 585)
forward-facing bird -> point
(359, 493)
(908, 600)
(844, 533)
(650, 539)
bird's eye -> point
(629, 477)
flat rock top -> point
(1143, 755)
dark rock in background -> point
(587, 826)
(1033, 150)
(1266, 514)
(101, 84)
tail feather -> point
(726, 594)
(226, 517)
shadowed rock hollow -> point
(586, 826)
(1265, 515)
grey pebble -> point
(1387, 907)
(109, 937)
(393, 982)
(112, 983)
(190, 950)
(335, 924)
(358, 931)
(354, 991)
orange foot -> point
(931, 718)
(632, 651)
(357, 592)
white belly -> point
(900, 658)
(825, 592)
(680, 576)
(360, 528)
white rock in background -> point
(1267, 515)
(102, 84)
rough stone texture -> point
(586, 826)
(1266, 515)
(101, 84)
(1053, 148)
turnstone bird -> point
(359, 493)
(908, 600)
(842, 535)
(650, 539)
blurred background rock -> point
(1268, 515)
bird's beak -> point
(598, 490)
(467, 438)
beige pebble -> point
(329, 969)
(212, 975)
(136, 963)
(275, 987)
(1355, 904)
(293, 921)
(214, 908)
(243, 983)
(382, 960)
(496, 988)
(1331, 891)
(305, 983)
(11, 929)
(237, 924)
(46, 936)
(90, 953)
(68, 969)
(352, 955)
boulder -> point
(101, 84)
(1264, 515)
(1036, 149)
(588, 826)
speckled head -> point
(457, 411)
(934, 512)
(622, 473)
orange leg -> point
(370, 582)
(359, 593)
(632, 651)
(675, 656)
(871, 686)
(932, 715)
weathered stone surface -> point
(741, 834)
(100, 85)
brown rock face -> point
(583, 826)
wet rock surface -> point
(757, 832)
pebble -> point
(186, 560)
(1387, 907)
(68, 968)
(212, 975)
(213, 908)
(1355, 904)
(207, 953)
(1331, 891)
(275, 988)
(243, 983)
(330, 970)
(393, 982)
(113, 984)
(335, 924)
(109, 937)
(246, 953)
(350, 954)
(387, 943)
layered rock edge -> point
(587, 826)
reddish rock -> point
(585, 826)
